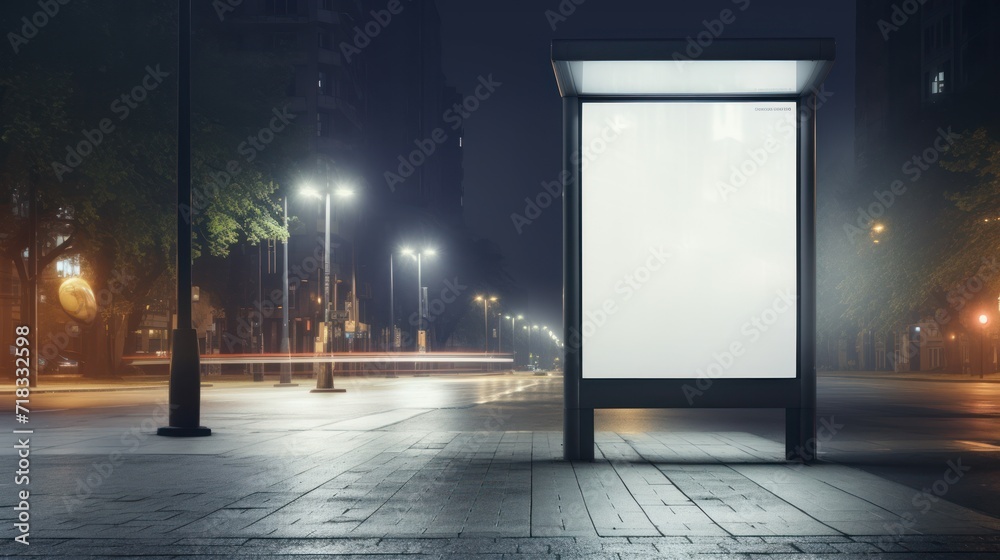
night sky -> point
(513, 142)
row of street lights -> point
(325, 379)
(513, 318)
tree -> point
(88, 135)
(930, 263)
(974, 248)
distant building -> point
(921, 71)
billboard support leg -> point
(571, 434)
(800, 434)
(586, 434)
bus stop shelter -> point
(689, 228)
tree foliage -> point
(111, 191)
(932, 263)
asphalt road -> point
(901, 429)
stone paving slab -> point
(490, 494)
(482, 548)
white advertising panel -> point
(689, 240)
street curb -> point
(164, 385)
(962, 379)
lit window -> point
(937, 85)
(68, 268)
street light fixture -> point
(529, 328)
(324, 381)
(418, 255)
(513, 336)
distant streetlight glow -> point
(983, 320)
(486, 322)
(418, 255)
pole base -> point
(328, 391)
(286, 384)
(171, 431)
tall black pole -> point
(286, 368)
(324, 381)
(32, 310)
(392, 309)
(185, 365)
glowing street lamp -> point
(486, 322)
(418, 255)
(529, 328)
(984, 320)
(513, 337)
(324, 381)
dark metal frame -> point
(796, 395)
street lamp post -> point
(984, 320)
(486, 321)
(513, 337)
(530, 328)
(421, 345)
(324, 381)
(392, 308)
(185, 363)
(286, 368)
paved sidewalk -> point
(354, 487)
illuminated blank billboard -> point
(689, 246)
